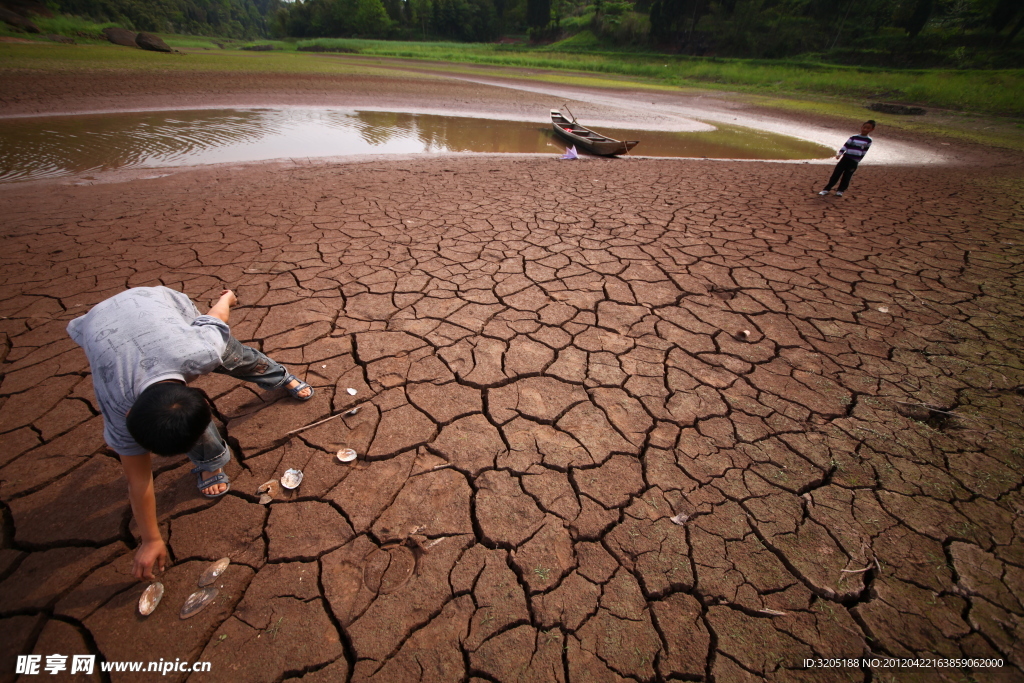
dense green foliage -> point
(331, 18)
(908, 33)
(960, 34)
(465, 20)
(229, 18)
(901, 30)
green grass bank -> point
(994, 92)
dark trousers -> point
(845, 168)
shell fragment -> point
(347, 455)
(195, 603)
(150, 598)
(267, 491)
(291, 479)
(351, 391)
(214, 571)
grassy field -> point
(106, 57)
(987, 92)
(990, 92)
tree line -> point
(780, 28)
(460, 20)
(883, 30)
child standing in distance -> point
(852, 153)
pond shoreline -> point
(416, 87)
(58, 146)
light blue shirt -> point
(142, 336)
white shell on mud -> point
(883, 309)
(291, 479)
(679, 519)
(265, 498)
(347, 455)
(150, 598)
(213, 571)
(353, 411)
(195, 603)
(351, 391)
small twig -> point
(932, 409)
(273, 630)
(856, 571)
(320, 422)
(774, 613)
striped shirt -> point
(856, 147)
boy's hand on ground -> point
(232, 299)
(150, 555)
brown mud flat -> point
(551, 365)
(26, 93)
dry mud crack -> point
(637, 420)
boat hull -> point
(589, 140)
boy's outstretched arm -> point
(152, 554)
(222, 309)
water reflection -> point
(37, 148)
(57, 146)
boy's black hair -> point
(168, 418)
(872, 122)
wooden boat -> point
(595, 143)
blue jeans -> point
(211, 452)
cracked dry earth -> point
(551, 364)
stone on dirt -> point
(120, 36)
(147, 41)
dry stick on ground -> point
(320, 422)
(936, 410)
(961, 416)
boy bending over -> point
(144, 346)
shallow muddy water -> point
(33, 148)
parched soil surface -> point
(639, 420)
